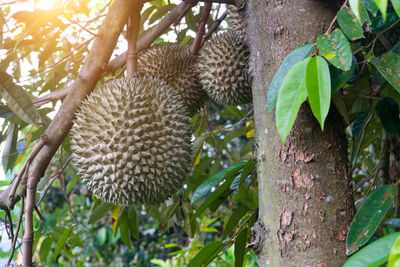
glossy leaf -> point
(18, 100)
(295, 56)
(99, 211)
(207, 254)
(379, 24)
(115, 215)
(44, 250)
(388, 112)
(61, 242)
(349, 24)
(374, 254)
(240, 247)
(206, 186)
(336, 49)
(371, 6)
(318, 84)
(393, 222)
(382, 5)
(248, 168)
(369, 216)
(389, 66)
(291, 95)
(394, 257)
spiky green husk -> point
(176, 66)
(224, 68)
(131, 141)
(234, 18)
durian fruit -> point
(131, 141)
(234, 18)
(175, 65)
(224, 68)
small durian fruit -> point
(175, 65)
(223, 68)
(234, 18)
(131, 141)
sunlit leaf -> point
(18, 100)
(382, 4)
(295, 56)
(369, 216)
(396, 6)
(291, 95)
(394, 257)
(318, 83)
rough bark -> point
(306, 202)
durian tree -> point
(160, 166)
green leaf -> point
(394, 257)
(240, 247)
(248, 168)
(207, 254)
(124, 229)
(295, 56)
(45, 248)
(206, 186)
(349, 24)
(133, 222)
(291, 95)
(378, 24)
(160, 12)
(318, 83)
(369, 216)
(382, 5)
(9, 151)
(237, 214)
(388, 113)
(339, 77)
(336, 49)
(389, 66)
(396, 6)
(101, 236)
(355, 7)
(61, 242)
(221, 192)
(374, 254)
(18, 101)
(99, 211)
(371, 6)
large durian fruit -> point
(175, 65)
(223, 67)
(234, 18)
(131, 141)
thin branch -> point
(133, 33)
(194, 50)
(21, 214)
(215, 26)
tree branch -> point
(133, 33)
(194, 50)
(92, 70)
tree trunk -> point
(306, 200)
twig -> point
(194, 50)
(25, 169)
(8, 217)
(21, 214)
(183, 14)
(133, 33)
(215, 26)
